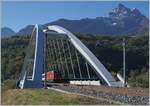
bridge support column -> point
(37, 66)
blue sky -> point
(17, 15)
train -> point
(53, 76)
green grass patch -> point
(46, 97)
(8, 84)
(141, 80)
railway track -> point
(133, 96)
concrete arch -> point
(88, 55)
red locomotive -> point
(52, 76)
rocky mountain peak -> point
(122, 7)
(122, 12)
(136, 12)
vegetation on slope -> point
(107, 49)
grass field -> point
(46, 97)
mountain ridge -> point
(120, 21)
(7, 32)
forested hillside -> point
(107, 49)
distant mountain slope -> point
(7, 32)
(26, 31)
(121, 21)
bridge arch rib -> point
(89, 56)
(31, 74)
